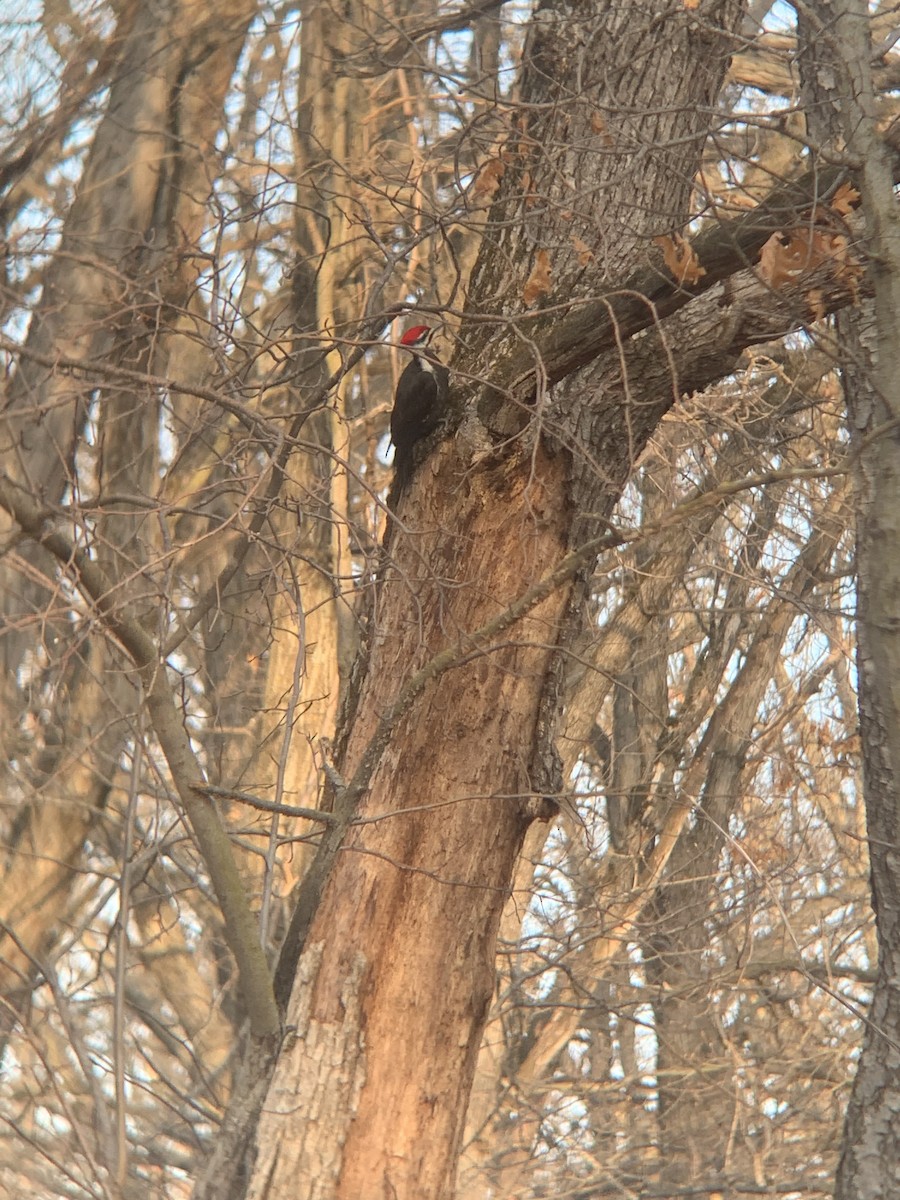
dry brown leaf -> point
(815, 297)
(539, 282)
(489, 177)
(786, 257)
(844, 200)
(583, 250)
(598, 125)
(848, 270)
(681, 259)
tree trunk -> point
(384, 1020)
(836, 42)
(418, 895)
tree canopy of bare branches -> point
(527, 831)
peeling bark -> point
(417, 893)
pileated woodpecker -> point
(419, 401)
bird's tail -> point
(403, 470)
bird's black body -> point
(419, 402)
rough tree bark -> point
(836, 54)
(448, 755)
(393, 985)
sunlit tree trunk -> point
(371, 1085)
(194, 507)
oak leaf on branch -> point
(539, 282)
(787, 256)
(681, 259)
(844, 200)
(488, 179)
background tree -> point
(621, 583)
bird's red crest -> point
(413, 336)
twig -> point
(212, 840)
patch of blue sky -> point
(646, 1044)
(28, 96)
(780, 18)
(29, 88)
(253, 198)
(590, 804)
(457, 95)
(566, 1130)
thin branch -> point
(269, 806)
(480, 640)
(168, 723)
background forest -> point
(515, 845)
